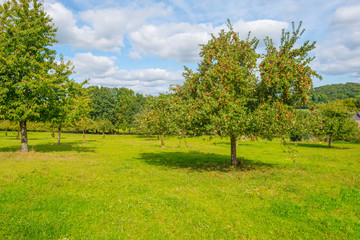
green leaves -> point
(33, 86)
(285, 72)
(118, 105)
(159, 115)
(218, 94)
(335, 121)
(26, 61)
(231, 95)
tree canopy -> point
(227, 97)
(335, 121)
(158, 116)
(117, 105)
(30, 77)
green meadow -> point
(127, 187)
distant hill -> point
(336, 91)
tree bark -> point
(233, 150)
(84, 140)
(329, 145)
(103, 133)
(6, 133)
(59, 135)
(24, 138)
(162, 141)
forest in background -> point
(335, 92)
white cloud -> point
(98, 66)
(341, 53)
(345, 16)
(178, 41)
(103, 71)
(103, 29)
(338, 59)
(106, 29)
(261, 28)
(346, 23)
(181, 41)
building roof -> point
(357, 116)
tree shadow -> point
(317, 145)
(198, 161)
(228, 143)
(63, 147)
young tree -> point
(78, 117)
(27, 63)
(61, 109)
(156, 117)
(225, 96)
(219, 94)
(335, 122)
(84, 124)
(7, 125)
(104, 125)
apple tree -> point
(220, 94)
(335, 122)
(156, 118)
(230, 95)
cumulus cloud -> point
(346, 22)
(107, 28)
(338, 59)
(101, 29)
(341, 54)
(178, 41)
(261, 28)
(103, 71)
(181, 41)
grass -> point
(127, 187)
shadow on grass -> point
(198, 161)
(63, 147)
(228, 143)
(317, 145)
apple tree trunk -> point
(233, 150)
(162, 141)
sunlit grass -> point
(127, 187)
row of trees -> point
(101, 109)
(34, 85)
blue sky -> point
(144, 45)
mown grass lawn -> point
(127, 187)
